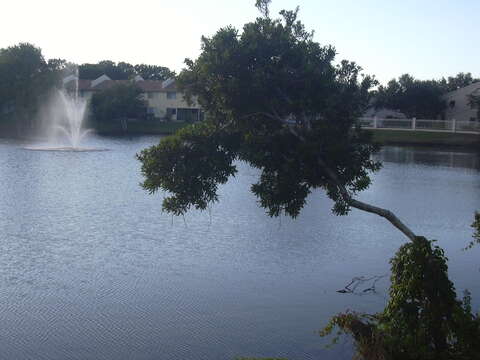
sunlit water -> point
(90, 268)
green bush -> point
(423, 318)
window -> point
(451, 103)
(171, 112)
(171, 95)
(189, 115)
(150, 95)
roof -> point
(144, 85)
(464, 91)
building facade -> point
(164, 101)
(458, 105)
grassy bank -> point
(423, 138)
(138, 127)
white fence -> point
(453, 126)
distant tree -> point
(118, 103)
(414, 98)
(120, 71)
(25, 80)
(124, 71)
(458, 81)
(154, 72)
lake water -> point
(90, 267)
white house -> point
(164, 101)
(458, 106)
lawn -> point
(399, 137)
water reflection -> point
(90, 268)
(430, 156)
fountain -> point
(63, 118)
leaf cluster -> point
(124, 71)
(423, 318)
(415, 98)
(275, 99)
(26, 79)
(121, 101)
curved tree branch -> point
(335, 181)
(357, 204)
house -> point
(383, 113)
(164, 101)
(458, 106)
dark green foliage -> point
(120, 71)
(420, 98)
(458, 81)
(25, 81)
(191, 165)
(415, 98)
(154, 72)
(476, 234)
(124, 71)
(423, 319)
(276, 100)
(121, 101)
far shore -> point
(424, 138)
(384, 137)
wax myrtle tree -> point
(415, 98)
(25, 81)
(118, 103)
(154, 72)
(458, 81)
(276, 100)
(124, 71)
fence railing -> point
(453, 126)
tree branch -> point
(347, 197)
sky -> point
(426, 38)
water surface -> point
(90, 267)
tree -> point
(120, 71)
(415, 98)
(458, 81)
(25, 81)
(275, 100)
(154, 72)
(120, 102)
(124, 71)
(423, 318)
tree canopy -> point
(124, 71)
(420, 98)
(423, 318)
(415, 98)
(276, 100)
(25, 80)
(458, 81)
(121, 101)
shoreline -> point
(383, 137)
(426, 139)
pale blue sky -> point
(426, 38)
